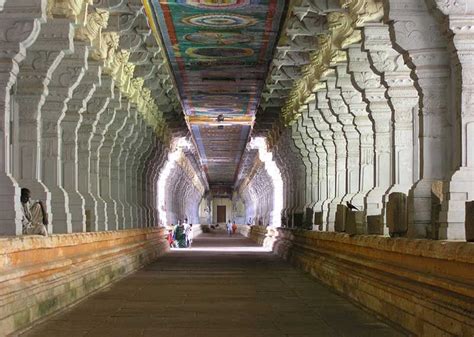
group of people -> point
(181, 235)
(231, 227)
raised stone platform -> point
(39, 276)
(425, 286)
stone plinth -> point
(470, 221)
(356, 223)
(424, 286)
(341, 218)
(318, 219)
(42, 275)
(298, 219)
(375, 224)
(397, 214)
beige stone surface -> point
(425, 286)
(42, 275)
(221, 287)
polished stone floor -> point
(221, 287)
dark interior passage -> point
(221, 287)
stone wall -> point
(40, 276)
(425, 287)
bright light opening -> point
(177, 147)
(223, 249)
(274, 172)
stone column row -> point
(380, 109)
(79, 126)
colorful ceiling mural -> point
(219, 51)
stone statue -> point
(363, 11)
(66, 8)
(93, 26)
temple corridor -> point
(222, 286)
(335, 136)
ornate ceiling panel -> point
(219, 51)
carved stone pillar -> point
(116, 182)
(32, 89)
(360, 160)
(369, 83)
(149, 182)
(403, 99)
(88, 87)
(139, 167)
(105, 165)
(20, 21)
(101, 115)
(312, 187)
(333, 144)
(296, 135)
(461, 184)
(320, 125)
(133, 144)
(425, 49)
(63, 82)
(129, 137)
(348, 159)
(313, 138)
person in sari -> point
(34, 217)
(179, 235)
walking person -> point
(189, 235)
(179, 235)
(229, 228)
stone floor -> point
(225, 287)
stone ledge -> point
(40, 276)
(426, 287)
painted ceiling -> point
(219, 51)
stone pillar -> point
(105, 164)
(99, 108)
(68, 125)
(312, 135)
(134, 144)
(369, 83)
(78, 122)
(146, 149)
(23, 21)
(296, 136)
(150, 180)
(300, 142)
(360, 160)
(349, 182)
(63, 82)
(425, 50)
(117, 188)
(32, 89)
(460, 187)
(403, 99)
(332, 144)
(126, 146)
(94, 216)
(320, 125)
